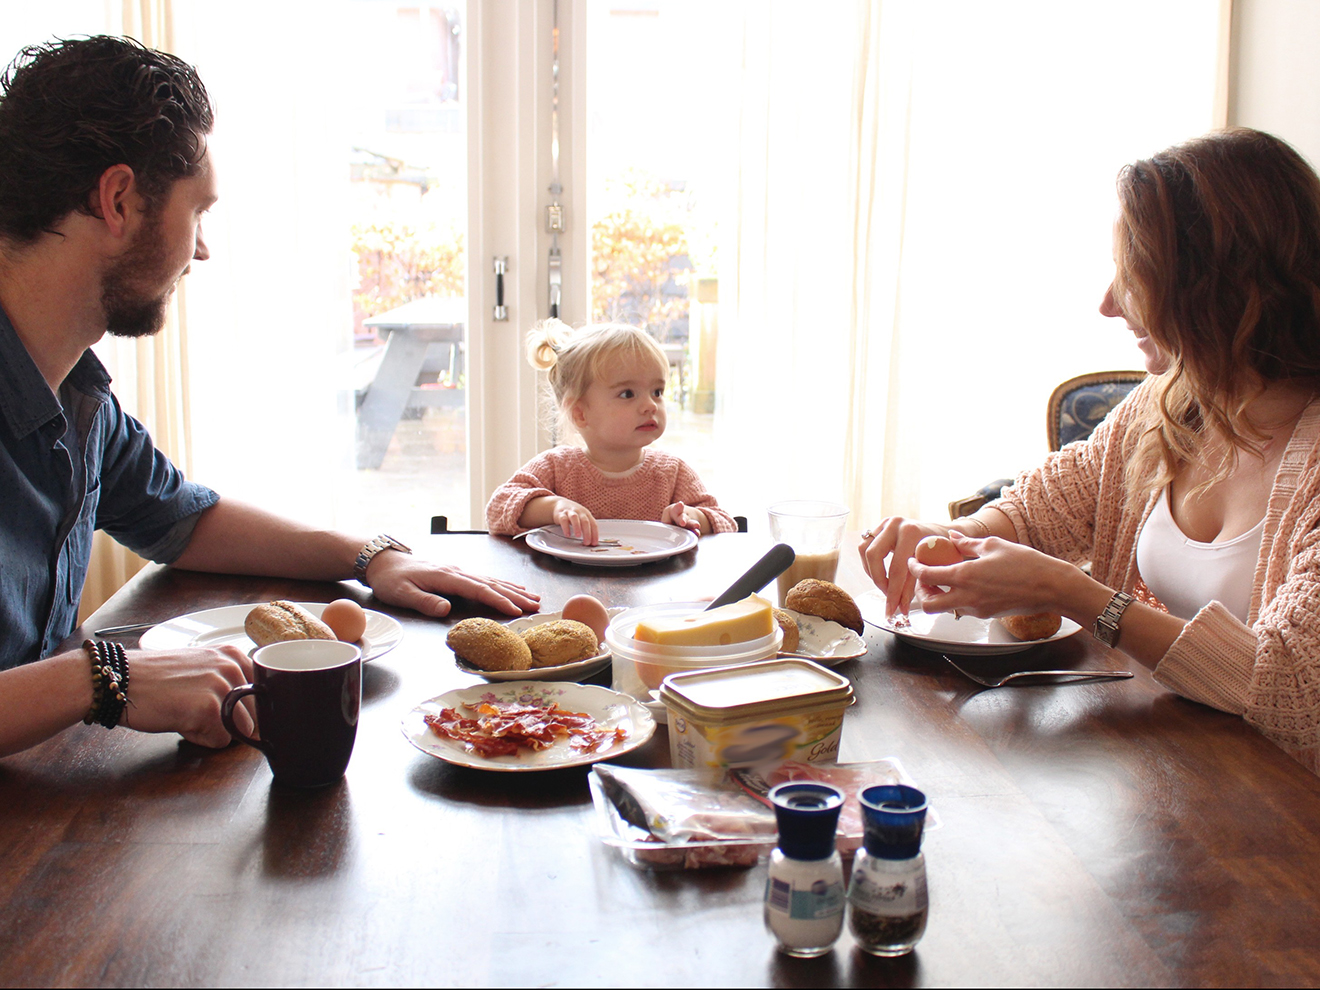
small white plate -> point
(610, 709)
(825, 642)
(224, 627)
(641, 542)
(940, 632)
(575, 671)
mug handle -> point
(227, 715)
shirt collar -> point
(26, 401)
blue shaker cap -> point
(808, 814)
(893, 816)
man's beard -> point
(128, 311)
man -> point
(104, 178)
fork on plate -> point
(1072, 676)
(603, 541)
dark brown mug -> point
(308, 694)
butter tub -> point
(755, 714)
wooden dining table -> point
(1106, 833)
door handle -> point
(501, 268)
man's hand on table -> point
(404, 580)
(182, 690)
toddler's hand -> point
(576, 520)
(680, 515)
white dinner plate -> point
(224, 627)
(610, 709)
(640, 543)
(575, 671)
(827, 643)
(940, 632)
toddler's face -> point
(625, 407)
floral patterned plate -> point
(610, 709)
(826, 642)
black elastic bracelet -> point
(109, 683)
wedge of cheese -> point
(740, 622)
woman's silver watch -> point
(1106, 623)
(368, 553)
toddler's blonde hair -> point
(574, 359)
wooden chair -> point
(1075, 409)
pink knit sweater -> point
(643, 493)
(1076, 507)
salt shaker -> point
(887, 896)
(804, 894)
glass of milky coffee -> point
(815, 531)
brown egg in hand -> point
(346, 620)
(590, 612)
(937, 551)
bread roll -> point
(488, 645)
(1041, 625)
(561, 641)
(279, 621)
(792, 634)
(827, 600)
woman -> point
(1205, 481)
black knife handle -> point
(779, 559)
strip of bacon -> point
(503, 728)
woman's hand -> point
(685, 518)
(182, 690)
(897, 539)
(997, 578)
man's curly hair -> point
(71, 109)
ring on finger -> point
(868, 535)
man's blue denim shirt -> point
(69, 466)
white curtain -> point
(270, 311)
(922, 232)
(785, 260)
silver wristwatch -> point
(1106, 623)
(368, 553)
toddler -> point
(609, 387)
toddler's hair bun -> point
(544, 342)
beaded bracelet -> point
(109, 683)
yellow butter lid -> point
(723, 690)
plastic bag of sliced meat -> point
(687, 819)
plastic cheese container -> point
(638, 668)
(755, 714)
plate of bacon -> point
(528, 725)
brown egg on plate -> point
(346, 619)
(590, 612)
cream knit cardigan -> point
(1075, 507)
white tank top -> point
(1186, 575)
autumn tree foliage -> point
(398, 263)
(639, 250)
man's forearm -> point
(40, 699)
(233, 537)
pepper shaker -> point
(887, 895)
(804, 894)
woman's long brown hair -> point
(1217, 248)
